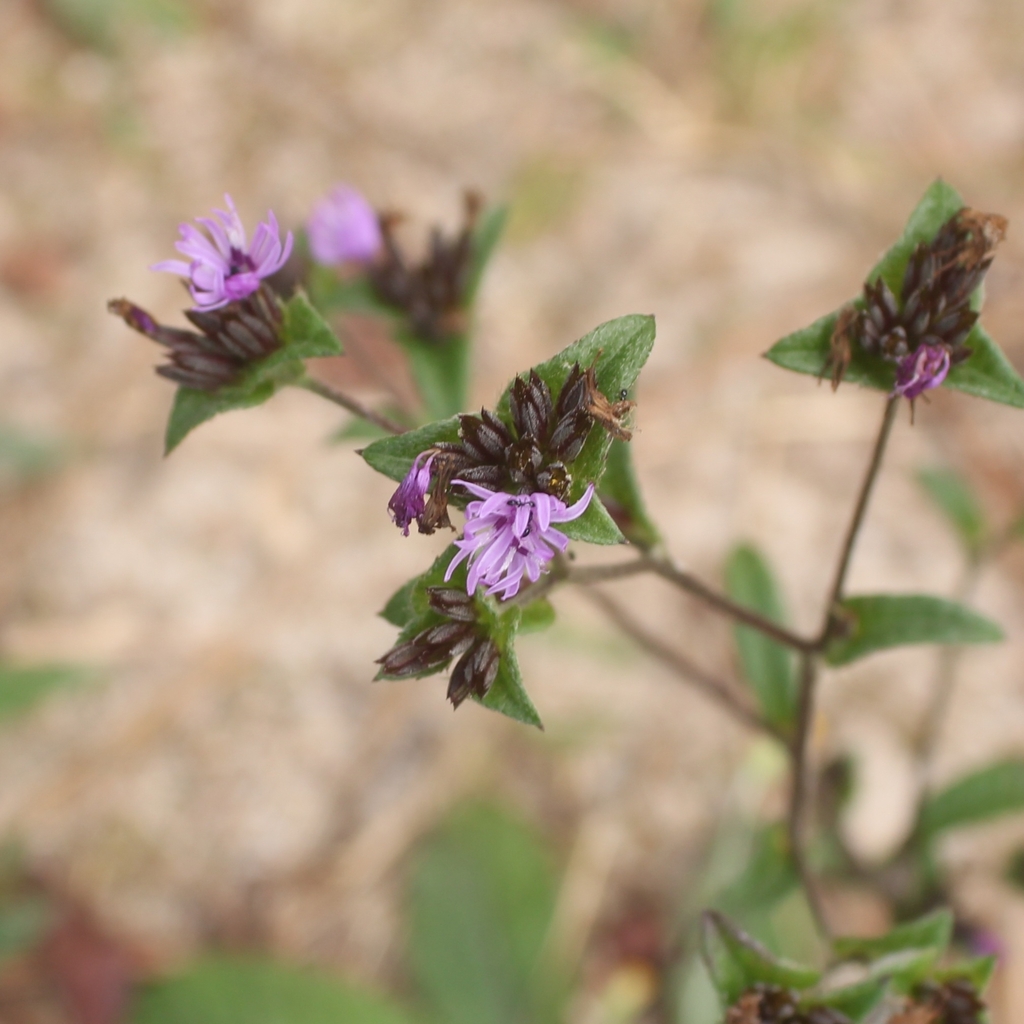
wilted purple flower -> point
(343, 227)
(409, 501)
(508, 536)
(919, 371)
(227, 268)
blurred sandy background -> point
(733, 168)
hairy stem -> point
(839, 580)
(800, 789)
(353, 405)
(709, 685)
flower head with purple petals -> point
(921, 370)
(509, 536)
(223, 267)
(409, 501)
(343, 227)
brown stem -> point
(353, 405)
(800, 788)
(709, 685)
(667, 571)
(839, 580)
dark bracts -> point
(432, 294)
(934, 303)
(227, 342)
(771, 1004)
(433, 648)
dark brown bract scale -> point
(934, 303)
(953, 1002)
(432, 294)
(534, 453)
(772, 1004)
(433, 648)
(227, 342)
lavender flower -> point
(409, 501)
(508, 536)
(343, 227)
(919, 371)
(227, 269)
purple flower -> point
(409, 501)
(343, 227)
(919, 371)
(227, 269)
(508, 536)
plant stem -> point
(709, 685)
(353, 405)
(800, 789)
(839, 580)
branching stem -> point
(353, 405)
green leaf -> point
(988, 793)
(595, 526)
(905, 968)
(620, 494)
(537, 616)
(854, 1001)
(767, 878)
(977, 970)
(957, 501)
(231, 990)
(737, 962)
(21, 689)
(441, 371)
(489, 230)
(393, 456)
(767, 666)
(985, 374)
(893, 620)
(304, 335)
(508, 695)
(933, 931)
(399, 610)
(483, 896)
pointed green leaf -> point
(933, 931)
(399, 610)
(595, 526)
(954, 496)
(988, 793)
(537, 616)
(228, 990)
(305, 333)
(620, 494)
(854, 1001)
(508, 695)
(985, 374)
(482, 900)
(737, 962)
(192, 407)
(441, 371)
(767, 666)
(393, 456)
(977, 970)
(894, 620)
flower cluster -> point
(432, 293)
(433, 648)
(772, 1004)
(343, 228)
(227, 342)
(924, 333)
(510, 536)
(224, 267)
